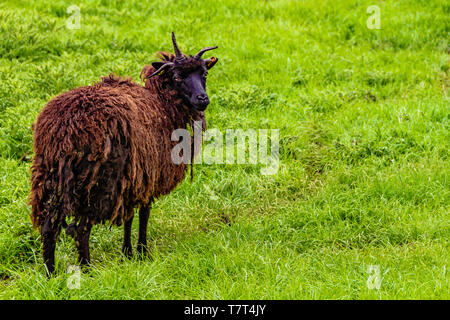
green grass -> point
(364, 140)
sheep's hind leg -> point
(126, 247)
(49, 234)
(82, 233)
(144, 213)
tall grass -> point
(363, 116)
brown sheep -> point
(102, 150)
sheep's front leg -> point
(144, 213)
(82, 233)
(126, 247)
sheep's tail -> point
(38, 195)
(52, 192)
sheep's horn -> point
(199, 54)
(178, 55)
(163, 67)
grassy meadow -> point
(359, 208)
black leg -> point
(82, 233)
(144, 213)
(49, 234)
(126, 247)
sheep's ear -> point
(161, 69)
(211, 62)
(157, 64)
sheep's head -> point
(186, 74)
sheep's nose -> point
(202, 97)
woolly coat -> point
(104, 149)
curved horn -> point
(162, 68)
(178, 55)
(199, 54)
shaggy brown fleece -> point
(104, 149)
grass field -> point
(362, 194)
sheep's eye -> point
(177, 79)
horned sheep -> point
(103, 150)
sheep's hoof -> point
(127, 251)
(143, 251)
(50, 272)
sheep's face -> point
(190, 82)
(187, 75)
